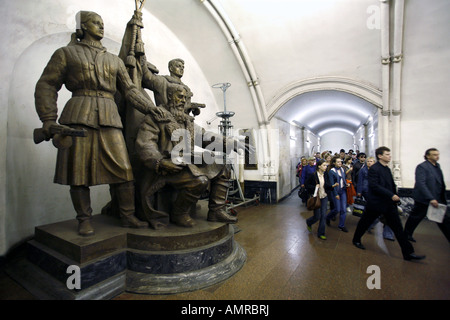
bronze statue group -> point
(127, 140)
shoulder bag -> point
(314, 201)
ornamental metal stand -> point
(225, 128)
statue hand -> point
(46, 126)
(160, 113)
(169, 166)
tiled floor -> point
(286, 262)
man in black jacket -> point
(383, 200)
(428, 189)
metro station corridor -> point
(305, 76)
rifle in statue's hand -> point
(61, 135)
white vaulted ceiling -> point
(320, 111)
(286, 41)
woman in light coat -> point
(319, 179)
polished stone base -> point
(147, 283)
(117, 259)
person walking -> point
(339, 193)
(357, 165)
(302, 193)
(362, 184)
(300, 165)
(429, 189)
(342, 155)
(363, 190)
(317, 156)
(351, 191)
(319, 179)
(383, 200)
(307, 171)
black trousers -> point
(419, 212)
(392, 220)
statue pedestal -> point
(117, 259)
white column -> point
(384, 113)
(396, 88)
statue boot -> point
(217, 203)
(125, 199)
(181, 209)
(81, 200)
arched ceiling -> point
(287, 41)
(321, 111)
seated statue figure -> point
(164, 165)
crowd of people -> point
(338, 179)
(343, 171)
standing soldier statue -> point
(97, 153)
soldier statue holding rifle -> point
(91, 146)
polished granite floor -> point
(286, 262)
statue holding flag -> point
(99, 155)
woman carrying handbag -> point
(320, 180)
